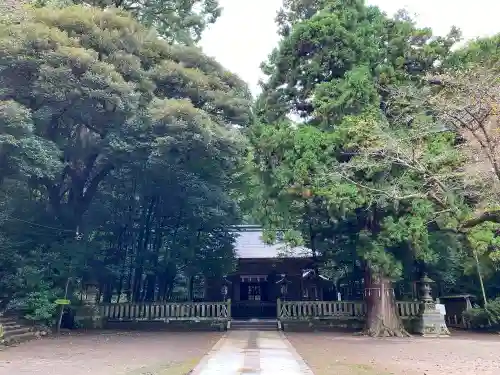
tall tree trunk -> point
(130, 275)
(142, 246)
(164, 286)
(382, 318)
(152, 281)
(190, 288)
(108, 292)
(150, 288)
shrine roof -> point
(249, 245)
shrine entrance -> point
(254, 300)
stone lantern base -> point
(88, 316)
(431, 322)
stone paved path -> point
(252, 353)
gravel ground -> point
(109, 353)
(344, 354)
(168, 353)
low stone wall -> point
(321, 325)
(88, 317)
(172, 326)
(339, 324)
(293, 316)
(338, 315)
(411, 325)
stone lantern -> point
(431, 322)
(89, 292)
(224, 290)
(283, 283)
(425, 291)
(88, 314)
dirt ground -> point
(345, 354)
(167, 353)
(109, 353)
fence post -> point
(99, 316)
(229, 308)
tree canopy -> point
(338, 59)
(136, 142)
(127, 154)
(177, 21)
(370, 176)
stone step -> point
(255, 328)
(9, 332)
(19, 338)
(254, 325)
(8, 316)
(14, 332)
(9, 323)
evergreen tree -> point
(121, 137)
(177, 21)
(336, 67)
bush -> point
(37, 307)
(485, 317)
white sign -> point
(441, 308)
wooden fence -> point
(303, 310)
(457, 321)
(165, 311)
(221, 311)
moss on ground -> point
(172, 368)
(184, 368)
(347, 369)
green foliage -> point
(485, 317)
(139, 154)
(484, 242)
(372, 175)
(37, 306)
(364, 192)
(342, 54)
(176, 20)
(104, 70)
(351, 178)
(482, 51)
(113, 125)
(23, 153)
(347, 96)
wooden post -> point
(61, 311)
(480, 276)
(382, 297)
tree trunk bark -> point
(382, 318)
(107, 292)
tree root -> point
(386, 332)
(379, 329)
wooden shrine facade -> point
(265, 273)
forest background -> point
(127, 154)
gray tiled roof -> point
(249, 244)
